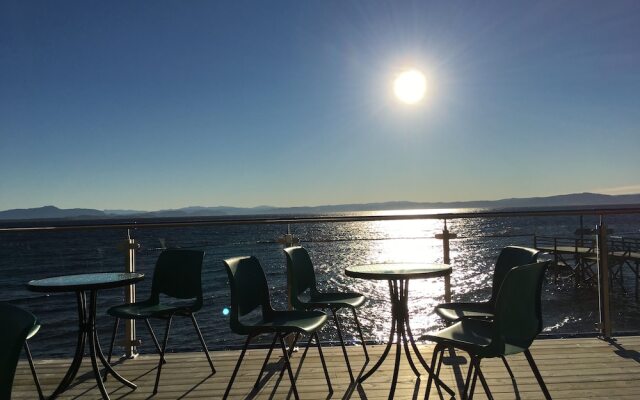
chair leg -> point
(293, 344)
(344, 349)
(162, 352)
(470, 376)
(155, 340)
(204, 346)
(324, 363)
(536, 372)
(266, 360)
(113, 339)
(322, 360)
(513, 378)
(478, 374)
(472, 388)
(359, 328)
(235, 371)
(434, 357)
(285, 355)
(506, 365)
(302, 358)
(291, 347)
(440, 360)
(485, 386)
(33, 370)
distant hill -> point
(49, 212)
(566, 200)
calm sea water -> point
(333, 246)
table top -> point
(393, 271)
(93, 281)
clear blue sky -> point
(164, 104)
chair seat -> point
(457, 311)
(144, 310)
(473, 336)
(290, 321)
(336, 300)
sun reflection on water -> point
(408, 241)
(405, 241)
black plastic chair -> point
(516, 323)
(304, 295)
(249, 294)
(18, 326)
(510, 257)
(178, 276)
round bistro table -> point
(83, 285)
(398, 275)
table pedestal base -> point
(87, 327)
(399, 293)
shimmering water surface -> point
(332, 246)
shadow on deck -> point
(572, 368)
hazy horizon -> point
(337, 205)
(154, 105)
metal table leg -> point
(77, 358)
(87, 327)
(399, 294)
(96, 351)
(389, 342)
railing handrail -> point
(148, 223)
(252, 220)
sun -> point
(410, 86)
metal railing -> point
(129, 244)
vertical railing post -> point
(130, 297)
(446, 258)
(603, 280)
(289, 338)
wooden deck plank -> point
(580, 368)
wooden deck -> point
(572, 368)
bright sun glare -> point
(410, 86)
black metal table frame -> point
(398, 276)
(399, 294)
(87, 327)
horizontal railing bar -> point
(319, 219)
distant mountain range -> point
(567, 200)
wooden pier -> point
(580, 256)
(572, 368)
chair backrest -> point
(249, 290)
(300, 274)
(518, 311)
(510, 256)
(16, 325)
(178, 274)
